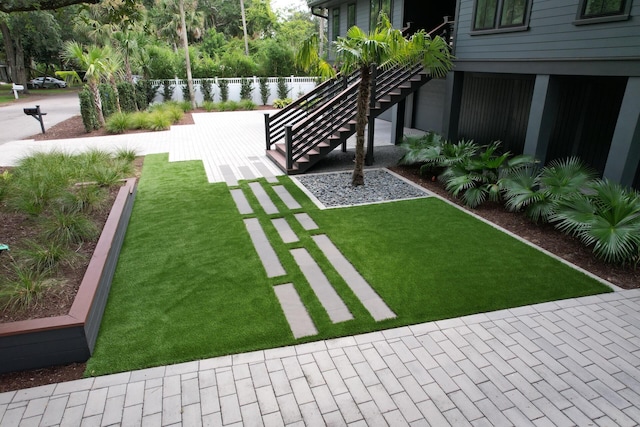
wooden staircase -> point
(304, 132)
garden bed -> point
(68, 338)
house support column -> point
(624, 153)
(544, 106)
(371, 127)
(453, 105)
(398, 114)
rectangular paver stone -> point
(241, 201)
(263, 198)
(294, 310)
(286, 197)
(265, 251)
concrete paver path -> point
(569, 362)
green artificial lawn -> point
(190, 285)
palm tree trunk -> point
(185, 45)
(93, 87)
(361, 122)
(244, 28)
(114, 86)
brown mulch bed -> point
(544, 236)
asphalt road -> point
(15, 125)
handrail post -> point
(267, 133)
(288, 138)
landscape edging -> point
(58, 340)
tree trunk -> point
(93, 87)
(127, 67)
(9, 51)
(185, 44)
(361, 123)
(21, 72)
(244, 28)
(114, 86)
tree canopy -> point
(9, 6)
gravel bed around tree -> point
(335, 189)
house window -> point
(594, 11)
(594, 8)
(377, 7)
(351, 15)
(506, 15)
(336, 24)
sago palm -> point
(608, 219)
(94, 62)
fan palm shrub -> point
(608, 218)
(537, 191)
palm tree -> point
(113, 70)
(386, 47)
(94, 61)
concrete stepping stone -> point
(365, 293)
(241, 202)
(246, 172)
(265, 251)
(263, 198)
(329, 298)
(295, 312)
(284, 230)
(264, 170)
(228, 175)
(286, 197)
(305, 221)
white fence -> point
(297, 86)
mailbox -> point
(15, 88)
(36, 114)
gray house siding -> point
(551, 36)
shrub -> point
(45, 258)
(139, 120)
(185, 106)
(127, 96)
(88, 110)
(538, 191)
(118, 123)
(167, 91)
(125, 155)
(247, 104)
(159, 120)
(228, 106)
(5, 178)
(426, 149)
(608, 217)
(109, 100)
(209, 106)
(283, 89)
(206, 86)
(22, 288)
(281, 103)
(265, 90)
(246, 88)
(145, 93)
(186, 95)
(224, 89)
(83, 198)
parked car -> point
(40, 82)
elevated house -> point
(551, 78)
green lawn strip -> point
(188, 284)
(429, 260)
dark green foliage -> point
(68, 228)
(127, 95)
(283, 89)
(206, 86)
(167, 90)
(224, 89)
(88, 110)
(108, 98)
(265, 90)
(186, 95)
(246, 88)
(145, 93)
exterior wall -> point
(552, 44)
(428, 107)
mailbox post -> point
(36, 114)
(15, 88)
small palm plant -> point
(538, 191)
(608, 219)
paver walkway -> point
(570, 362)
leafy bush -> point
(207, 90)
(224, 89)
(247, 104)
(281, 103)
(118, 123)
(109, 100)
(127, 96)
(246, 89)
(426, 149)
(265, 90)
(167, 91)
(608, 217)
(88, 110)
(186, 95)
(283, 89)
(145, 93)
(538, 191)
